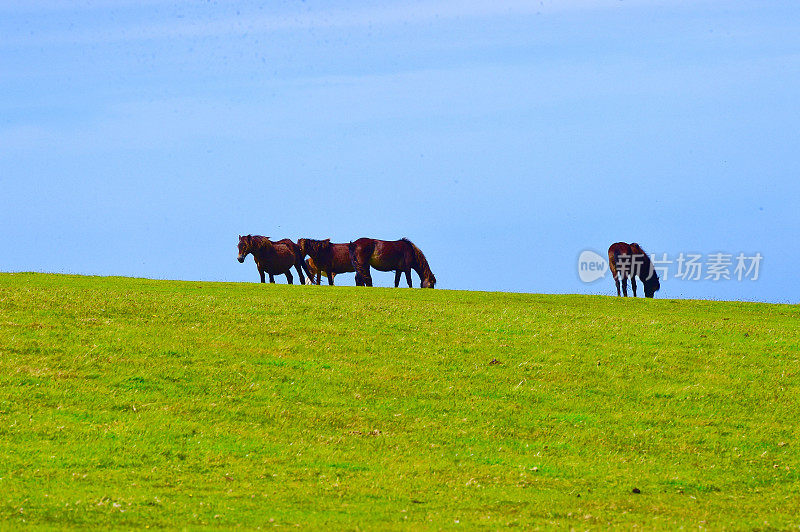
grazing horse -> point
(326, 258)
(388, 255)
(272, 258)
(628, 261)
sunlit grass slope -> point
(129, 402)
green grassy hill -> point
(129, 402)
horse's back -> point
(391, 255)
(383, 255)
(362, 244)
(341, 259)
(286, 255)
(289, 244)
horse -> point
(272, 258)
(389, 255)
(629, 260)
(326, 258)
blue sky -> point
(140, 138)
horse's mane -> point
(258, 241)
(317, 244)
(419, 257)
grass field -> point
(133, 403)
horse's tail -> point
(351, 249)
(360, 252)
(612, 261)
(308, 269)
(304, 266)
(619, 269)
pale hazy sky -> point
(140, 138)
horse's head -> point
(247, 244)
(428, 281)
(651, 285)
(302, 243)
(645, 270)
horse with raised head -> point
(400, 256)
(630, 261)
(272, 258)
(326, 258)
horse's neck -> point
(645, 267)
(420, 265)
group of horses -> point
(329, 259)
(325, 258)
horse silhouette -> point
(272, 258)
(630, 261)
(400, 256)
(326, 258)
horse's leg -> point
(272, 278)
(366, 278)
(633, 284)
(408, 277)
(397, 274)
(330, 277)
(289, 278)
(616, 282)
(300, 274)
(625, 286)
(261, 273)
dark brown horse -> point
(400, 256)
(326, 258)
(272, 258)
(629, 261)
